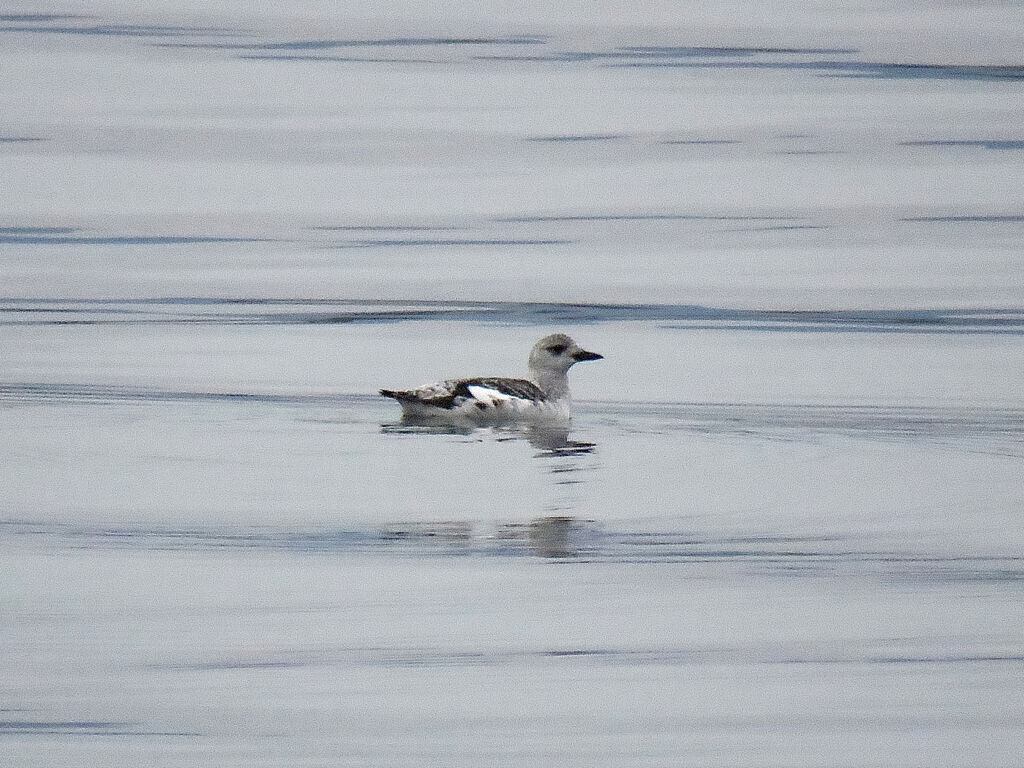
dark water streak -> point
(84, 728)
(586, 542)
(255, 46)
(50, 236)
(617, 657)
(227, 311)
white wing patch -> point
(490, 397)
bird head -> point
(557, 353)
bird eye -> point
(557, 349)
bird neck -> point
(554, 384)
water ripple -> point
(997, 144)
(84, 728)
(187, 310)
(47, 236)
(558, 538)
(774, 654)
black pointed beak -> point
(582, 355)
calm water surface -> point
(784, 528)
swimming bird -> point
(544, 396)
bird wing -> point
(497, 390)
(455, 392)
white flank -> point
(491, 397)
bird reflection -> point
(553, 441)
(550, 440)
(555, 529)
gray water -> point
(784, 529)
